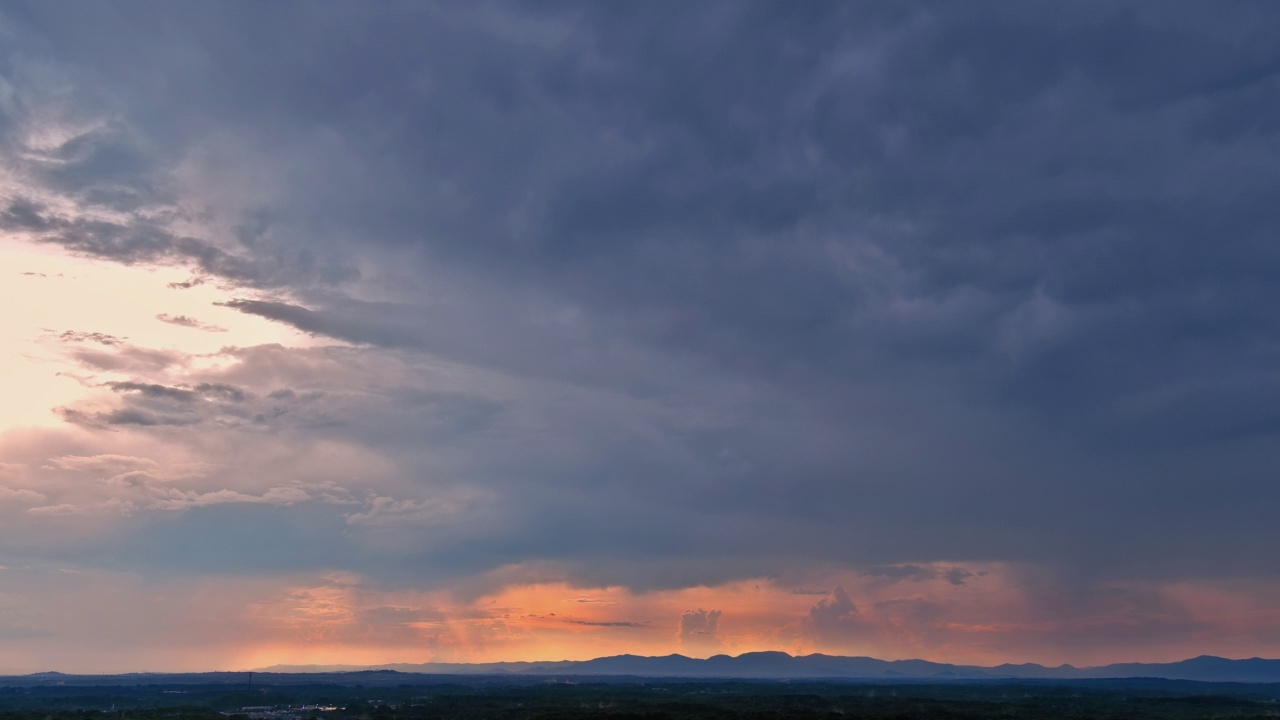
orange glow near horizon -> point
(253, 622)
(331, 625)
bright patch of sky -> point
(58, 304)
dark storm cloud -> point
(699, 630)
(94, 337)
(184, 321)
(333, 325)
(129, 241)
(151, 390)
(957, 576)
(128, 359)
(752, 205)
(865, 283)
(126, 416)
(224, 393)
(210, 404)
(835, 620)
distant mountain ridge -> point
(782, 666)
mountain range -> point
(782, 666)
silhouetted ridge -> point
(780, 665)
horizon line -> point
(338, 668)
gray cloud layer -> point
(732, 287)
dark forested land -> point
(490, 698)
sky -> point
(360, 333)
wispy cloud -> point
(184, 321)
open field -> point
(396, 696)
